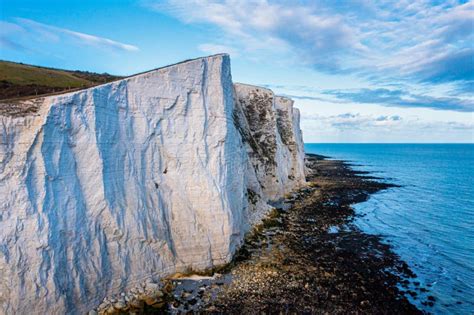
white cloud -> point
(9, 28)
(356, 127)
(53, 33)
(354, 121)
(421, 41)
(260, 25)
(216, 49)
(418, 41)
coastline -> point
(308, 257)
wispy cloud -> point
(391, 125)
(261, 26)
(9, 31)
(419, 41)
(10, 44)
(82, 38)
(400, 98)
(216, 49)
(356, 121)
(312, 98)
(422, 41)
(29, 28)
(464, 88)
(396, 95)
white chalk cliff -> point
(165, 171)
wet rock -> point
(119, 306)
(159, 304)
(317, 272)
(136, 303)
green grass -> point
(20, 80)
(24, 75)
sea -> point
(429, 219)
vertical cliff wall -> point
(104, 188)
(269, 126)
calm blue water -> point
(430, 219)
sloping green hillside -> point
(20, 80)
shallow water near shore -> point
(429, 220)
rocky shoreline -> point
(306, 257)
(317, 261)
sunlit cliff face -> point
(108, 187)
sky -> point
(358, 70)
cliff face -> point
(270, 129)
(107, 187)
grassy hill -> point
(19, 80)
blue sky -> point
(360, 71)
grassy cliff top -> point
(19, 80)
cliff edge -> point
(108, 187)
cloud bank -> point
(356, 127)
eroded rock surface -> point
(106, 188)
(272, 138)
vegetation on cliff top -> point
(20, 80)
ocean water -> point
(429, 220)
